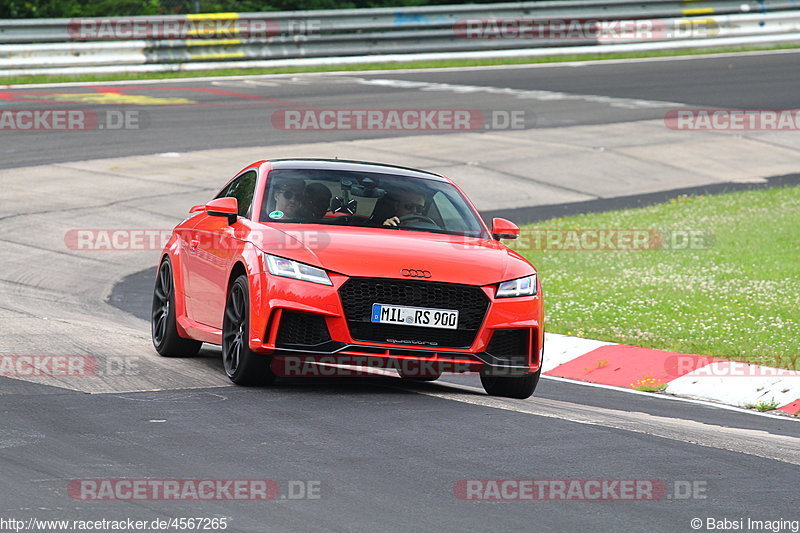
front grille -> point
(509, 346)
(302, 329)
(358, 295)
(401, 352)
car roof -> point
(353, 166)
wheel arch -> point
(237, 270)
(250, 264)
(176, 342)
(172, 253)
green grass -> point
(763, 406)
(739, 298)
(11, 80)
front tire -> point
(242, 365)
(511, 386)
(163, 330)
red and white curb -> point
(692, 376)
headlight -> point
(517, 287)
(278, 266)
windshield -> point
(365, 199)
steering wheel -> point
(413, 216)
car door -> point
(213, 247)
(185, 234)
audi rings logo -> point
(414, 273)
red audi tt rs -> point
(335, 261)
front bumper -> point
(296, 318)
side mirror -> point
(221, 207)
(504, 229)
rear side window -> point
(243, 189)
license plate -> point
(414, 316)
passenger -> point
(316, 201)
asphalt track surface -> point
(236, 113)
(386, 454)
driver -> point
(288, 199)
(405, 202)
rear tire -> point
(163, 330)
(242, 365)
(511, 386)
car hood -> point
(371, 252)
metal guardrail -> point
(241, 40)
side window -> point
(242, 188)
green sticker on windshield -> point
(276, 214)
